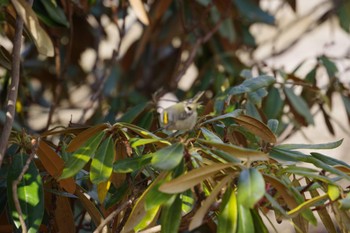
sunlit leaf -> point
(131, 164)
(192, 178)
(30, 194)
(333, 192)
(81, 156)
(101, 166)
(102, 190)
(245, 219)
(135, 142)
(227, 219)
(236, 151)
(171, 215)
(40, 38)
(307, 204)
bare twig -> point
(35, 144)
(13, 90)
(195, 48)
(111, 216)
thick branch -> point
(13, 90)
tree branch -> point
(13, 90)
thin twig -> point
(195, 48)
(111, 216)
(35, 144)
(13, 90)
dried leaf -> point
(138, 7)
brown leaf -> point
(79, 140)
(256, 127)
(192, 178)
(54, 165)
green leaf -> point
(30, 194)
(251, 11)
(281, 154)
(135, 142)
(155, 197)
(82, 156)
(131, 164)
(273, 125)
(54, 13)
(259, 225)
(210, 136)
(253, 84)
(344, 16)
(333, 192)
(245, 220)
(273, 104)
(344, 204)
(251, 187)
(299, 105)
(330, 66)
(227, 219)
(329, 160)
(169, 157)
(171, 215)
(101, 166)
(323, 146)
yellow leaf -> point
(102, 190)
(41, 39)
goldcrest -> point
(182, 115)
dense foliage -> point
(110, 168)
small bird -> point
(182, 115)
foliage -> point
(226, 175)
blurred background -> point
(114, 59)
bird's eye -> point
(188, 108)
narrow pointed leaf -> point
(210, 136)
(54, 165)
(323, 146)
(245, 219)
(82, 137)
(227, 219)
(135, 142)
(171, 216)
(30, 194)
(192, 178)
(102, 163)
(232, 114)
(197, 219)
(256, 127)
(236, 151)
(41, 39)
(169, 157)
(137, 6)
(131, 164)
(307, 204)
(82, 156)
(299, 105)
(252, 84)
(251, 187)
